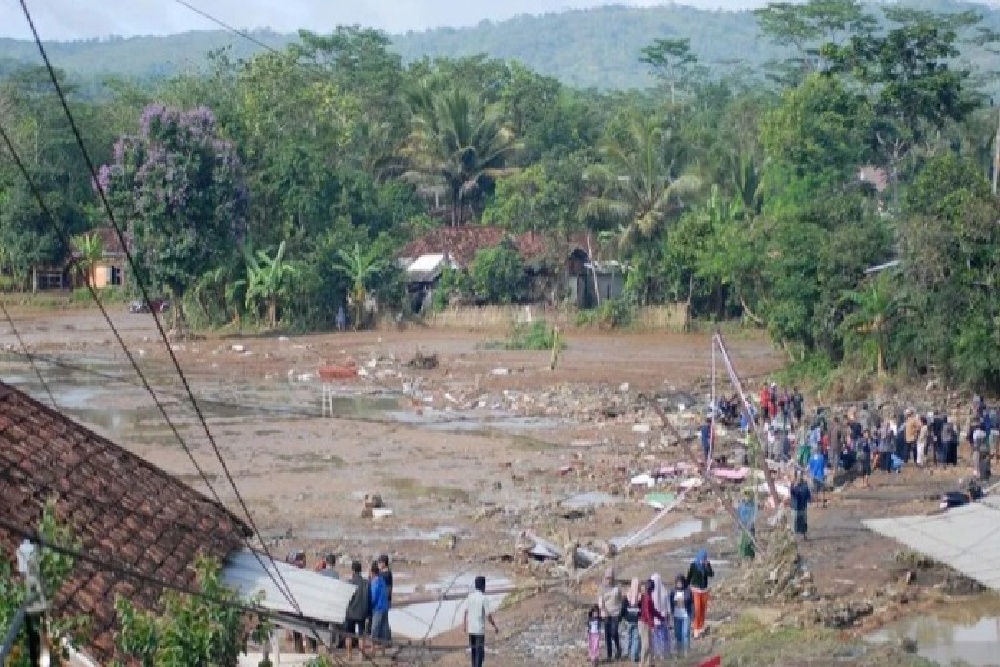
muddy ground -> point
(469, 454)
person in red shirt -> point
(765, 402)
(648, 615)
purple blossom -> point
(183, 186)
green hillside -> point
(584, 48)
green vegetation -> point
(187, 630)
(55, 568)
(274, 191)
(535, 336)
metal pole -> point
(757, 426)
(702, 468)
(715, 407)
(12, 633)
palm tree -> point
(358, 266)
(460, 143)
(747, 178)
(876, 309)
(268, 280)
(636, 184)
(91, 250)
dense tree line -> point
(279, 187)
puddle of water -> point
(679, 531)
(967, 636)
(446, 420)
(590, 499)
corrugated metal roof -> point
(966, 539)
(320, 598)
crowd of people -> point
(854, 443)
(658, 622)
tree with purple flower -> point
(181, 189)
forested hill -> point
(584, 48)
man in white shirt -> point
(476, 616)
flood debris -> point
(424, 362)
(372, 502)
(776, 574)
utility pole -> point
(30, 613)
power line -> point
(146, 297)
(222, 24)
(65, 239)
(24, 346)
(104, 564)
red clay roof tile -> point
(114, 502)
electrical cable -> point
(145, 294)
(222, 24)
(65, 239)
(27, 353)
(104, 564)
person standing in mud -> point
(476, 616)
(682, 609)
(609, 603)
(836, 445)
(385, 572)
(864, 450)
(798, 405)
(799, 497)
(705, 432)
(699, 573)
(648, 616)
(630, 614)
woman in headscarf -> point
(661, 632)
(630, 614)
(698, 575)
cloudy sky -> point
(74, 19)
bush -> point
(613, 314)
(535, 336)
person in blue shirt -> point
(817, 468)
(380, 608)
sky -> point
(80, 19)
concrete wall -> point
(672, 317)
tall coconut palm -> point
(268, 280)
(91, 250)
(460, 143)
(358, 266)
(636, 186)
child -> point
(594, 634)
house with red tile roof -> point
(136, 523)
(558, 268)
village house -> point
(131, 517)
(109, 269)
(557, 271)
